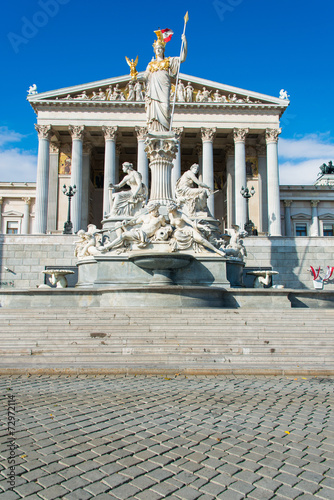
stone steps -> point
(142, 340)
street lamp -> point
(68, 226)
(247, 195)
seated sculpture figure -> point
(193, 199)
(187, 233)
(148, 223)
(130, 201)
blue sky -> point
(258, 45)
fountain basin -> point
(162, 265)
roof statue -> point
(158, 76)
(132, 64)
(32, 89)
(283, 94)
(327, 169)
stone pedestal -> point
(161, 150)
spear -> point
(186, 19)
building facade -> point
(86, 132)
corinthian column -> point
(230, 190)
(240, 180)
(77, 133)
(110, 134)
(315, 220)
(208, 135)
(26, 215)
(274, 209)
(142, 160)
(287, 217)
(176, 171)
(42, 181)
(1, 202)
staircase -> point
(167, 341)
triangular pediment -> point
(201, 92)
(12, 213)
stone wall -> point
(291, 257)
(27, 256)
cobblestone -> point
(148, 438)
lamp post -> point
(247, 195)
(68, 226)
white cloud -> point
(300, 159)
(9, 136)
(310, 146)
(17, 166)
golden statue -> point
(132, 64)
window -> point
(12, 227)
(328, 229)
(301, 229)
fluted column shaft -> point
(315, 219)
(77, 133)
(176, 170)
(240, 179)
(263, 189)
(274, 208)
(208, 167)
(42, 180)
(230, 190)
(287, 217)
(26, 216)
(110, 134)
(142, 160)
(1, 202)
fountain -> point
(172, 247)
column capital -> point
(87, 148)
(77, 131)
(208, 134)
(1, 200)
(239, 134)
(54, 147)
(261, 149)
(44, 131)
(178, 132)
(287, 203)
(272, 135)
(27, 200)
(314, 203)
(118, 149)
(141, 133)
(229, 150)
(110, 133)
(199, 149)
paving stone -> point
(187, 493)
(28, 489)
(286, 491)
(325, 493)
(231, 495)
(53, 493)
(78, 495)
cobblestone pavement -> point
(153, 437)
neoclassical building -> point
(87, 131)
